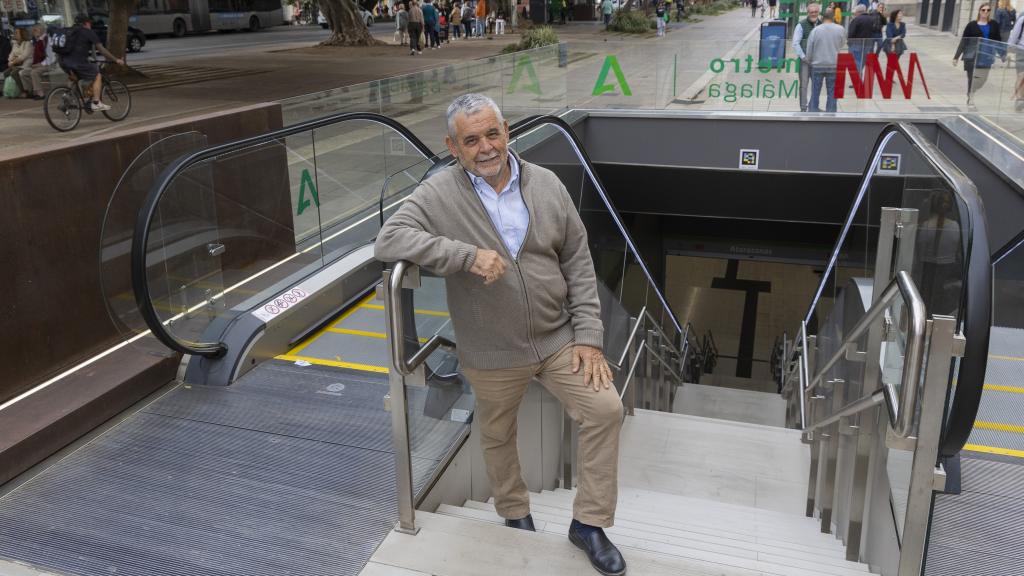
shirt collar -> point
(479, 183)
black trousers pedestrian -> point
(414, 35)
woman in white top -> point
(21, 57)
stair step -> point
(449, 546)
(750, 563)
(699, 516)
(750, 549)
(686, 528)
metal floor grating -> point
(977, 532)
(289, 471)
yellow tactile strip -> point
(295, 354)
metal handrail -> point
(632, 369)
(900, 409)
(632, 335)
(860, 405)
(407, 366)
(976, 310)
(140, 240)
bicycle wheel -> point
(117, 96)
(63, 109)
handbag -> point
(11, 87)
(423, 40)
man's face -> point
(480, 143)
(812, 14)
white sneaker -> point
(100, 106)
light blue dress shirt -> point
(507, 210)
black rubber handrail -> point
(140, 280)
(565, 128)
(975, 310)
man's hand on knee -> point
(488, 264)
(596, 371)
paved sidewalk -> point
(261, 74)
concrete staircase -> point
(697, 496)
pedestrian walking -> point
(895, 34)
(822, 52)
(401, 25)
(861, 35)
(456, 20)
(979, 45)
(607, 7)
(771, 8)
(1006, 16)
(1016, 43)
(481, 17)
(524, 304)
(801, 34)
(878, 30)
(415, 28)
(659, 13)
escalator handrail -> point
(975, 310)
(565, 128)
(140, 239)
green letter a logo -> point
(303, 203)
(611, 63)
(524, 64)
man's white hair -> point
(470, 104)
(814, 5)
(860, 9)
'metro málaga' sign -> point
(780, 81)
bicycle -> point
(63, 105)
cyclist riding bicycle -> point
(78, 43)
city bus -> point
(180, 17)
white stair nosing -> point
(724, 546)
(827, 544)
(630, 547)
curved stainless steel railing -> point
(901, 405)
(140, 280)
(976, 309)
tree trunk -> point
(117, 30)
(347, 26)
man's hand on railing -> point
(596, 371)
(488, 264)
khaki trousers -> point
(599, 415)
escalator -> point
(306, 399)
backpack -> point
(63, 41)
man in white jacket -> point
(44, 61)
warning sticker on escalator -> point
(278, 305)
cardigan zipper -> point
(514, 259)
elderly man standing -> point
(801, 34)
(522, 293)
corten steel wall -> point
(53, 314)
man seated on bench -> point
(44, 61)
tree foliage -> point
(347, 25)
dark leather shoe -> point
(524, 523)
(603, 555)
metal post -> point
(812, 417)
(630, 399)
(830, 452)
(892, 231)
(399, 426)
(650, 404)
(925, 478)
(802, 369)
